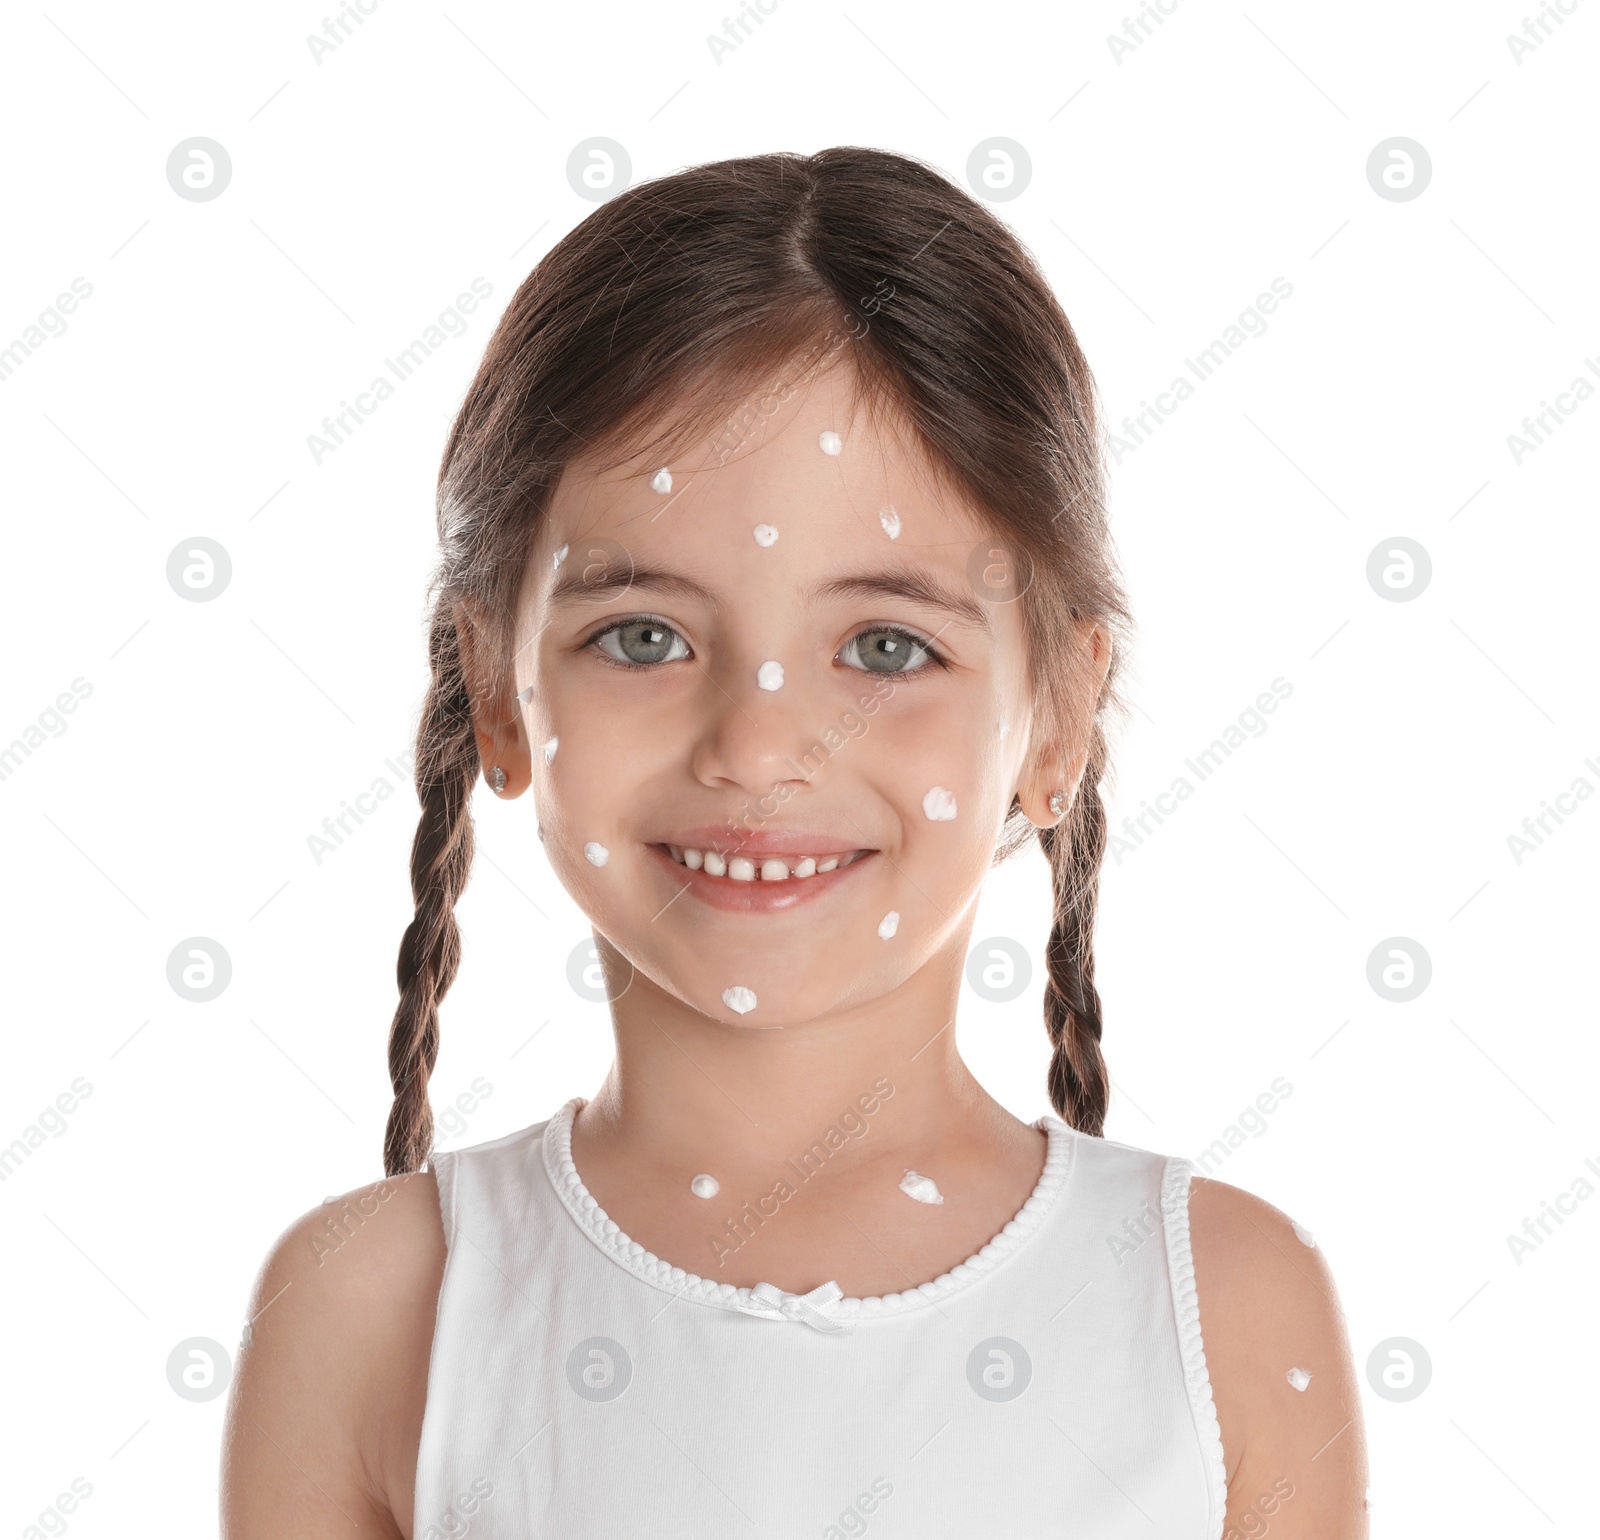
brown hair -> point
(687, 292)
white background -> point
(1167, 190)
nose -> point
(751, 739)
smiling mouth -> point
(761, 871)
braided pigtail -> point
(441, 859)
(1080, 1088)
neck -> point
(886, 1075)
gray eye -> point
(642, 643)
(888, 650)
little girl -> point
(775, 571)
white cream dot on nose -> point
(704, 1186)
(766, 534)
(738, 998)
(597, 853)
(550, 751)
(1299, 1378)
(662, 480)
(1302, 1234)
(923, 1188)
(890, 521)
(889, 924)
(770, 676)
(939, 804)
(830, 443)
(1004, 727)
(561, 556)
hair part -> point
(684, 296)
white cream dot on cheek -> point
(923, 1188)
(770, 676)
(889, 924)
(550, 751)
(890, 521)
(738, 998)
(597, 853)
(1299, 1378)
(766, 534)
(662, 480)
(830, 443)
(939, 804)
(561, 556)
(704, 1186)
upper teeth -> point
(744, 869)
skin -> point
(327, 1403)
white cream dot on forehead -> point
(889, 924)
(939, 804)
(766, 534)
(662, 480)
(770, 676)
(561, 556)
(550, 751)
(738, 998)
(705, 1186)
(890, 521)
(525, 696)
(830, 443)
(596, 852)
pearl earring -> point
(497, 778)
(1058, 802)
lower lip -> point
(757, 896)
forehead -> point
(767, 462)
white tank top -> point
(1053, 1384)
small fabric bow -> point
(815, 1309)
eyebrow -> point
(604, 581)
(906, 583)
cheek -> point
(938, 755)
(593, 749)
(578, 796)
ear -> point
(1057, 766)
(1050, 769)
(497, 714)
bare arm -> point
(1282, 1374)
(326, 1406)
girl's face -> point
(798, 653)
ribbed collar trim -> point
(629, 1254)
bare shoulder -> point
(325, 1411)
(1282, 1375)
